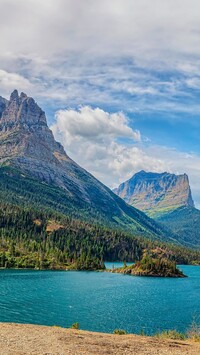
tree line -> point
(30, 238)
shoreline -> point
(73, 269)
(25, 339)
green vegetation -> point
(184, 223)
(48, 240)
(161, 212)
(119, 332)
(19, 189)
(171, 334)
(192, 333)
(157, 266)
(75, 326)
(150, 265)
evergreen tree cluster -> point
(30, 238)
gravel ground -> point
(23, 339)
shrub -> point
(75, 325)
(120, 331)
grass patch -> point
(193, 333)
(171, 334)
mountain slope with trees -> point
(35, 170)
(33, 239)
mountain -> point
(168, 199)
(184, 222)
(156, 194)
(3, 104)
(35, 171)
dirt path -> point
(22, 339)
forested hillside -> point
(22, 190)
(185, 223)
(36, 171)
(32, 239)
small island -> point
(151, 266)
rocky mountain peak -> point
(26, 138)
(156, 193)
(14, 96)
(23, 96)
(21, 110)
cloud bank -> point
(92, 52)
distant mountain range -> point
(168, 199)
(35, 171)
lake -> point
(100, 301)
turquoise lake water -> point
(100, 301)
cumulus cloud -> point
(93, 124)
(92, 137)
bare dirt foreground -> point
(22, 339)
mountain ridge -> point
(156, 193)
(168, 199)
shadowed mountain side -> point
(185, 223)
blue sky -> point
(119, 80)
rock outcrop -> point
(156, 194)
(3, 104)
(27, 141)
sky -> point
(119, 80)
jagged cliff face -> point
(156, 193)
(28, 151)
(23, 118)
(26, 140)
(3, 104)
(28, 143)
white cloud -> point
(101, 27)
(10, 81)
(93, 124)
(92, 52)
(91, 138)
(193, 82)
